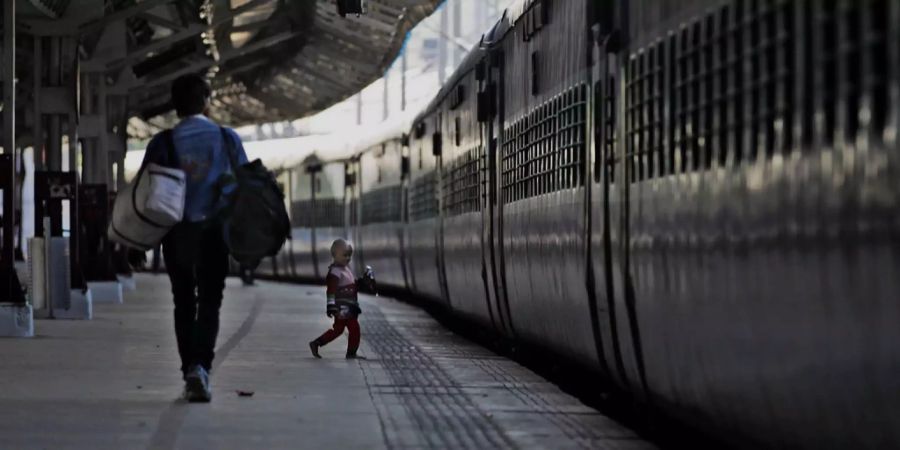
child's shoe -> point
(314, 348)
(353, 355)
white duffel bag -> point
(149, 207)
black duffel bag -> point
(256, 222)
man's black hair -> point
(189, 95)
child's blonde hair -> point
(339, 244)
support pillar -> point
(403, 68)
(38, 128)
(93, 129)
(458, 53)
(102, 152)
(16, 317)
(73, 142)
(442, 46)
(385, 107)
(120, 171)
(54, 122)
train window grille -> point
(723, 94)
(607, 159)
(302, 213)
(318, 213)
(329, 212)
(463, 183)
(770, 86)
(876, 31)
(846, 56)
(354, 211)
(644, 112)
(685, 94)
(861, 57)
(545, 150)
(423, 201)
(734, 100)
(381, 205)
(730, 86)
(571, 139)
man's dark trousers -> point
(196, 259)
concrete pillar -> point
(8, 76)
(120, 171)
(403, 69)
(457, 32)
(73, 143)
(16, 317)
(442, 47)
(385, 103)
(54, 122)
(104, 167)
(38, 129)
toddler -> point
(343, 304)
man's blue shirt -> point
(203, 157)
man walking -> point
(194, 251)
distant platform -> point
(113, 383)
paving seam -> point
(444, 421)
(170, 421)
(378, 410)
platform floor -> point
(113, 383)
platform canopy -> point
(269, 60)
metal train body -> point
(696, 200)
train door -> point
(484, 109)
(404, 210)
(437, 150)
(352, 205)
(602, 186)
(287, 253)
(314, 174)
(492, 116)
(620, 316)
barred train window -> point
(381, 205)
(463, 182)
(423, 201)
(698, 73)
(327, 212)
(644, 114)
(545, 150)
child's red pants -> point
(337, 329)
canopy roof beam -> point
(189, 32)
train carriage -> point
(422, 230)
(379, 230)
(750, 245)
(463, 180)
(694, 200)
(541, 164)
(302, 214)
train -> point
(696, 201)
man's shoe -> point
(196, 385)
(314, 348)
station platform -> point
(113, 383)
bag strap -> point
(232, 162)
(171, 154)
(229, 148)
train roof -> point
(493, 36)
